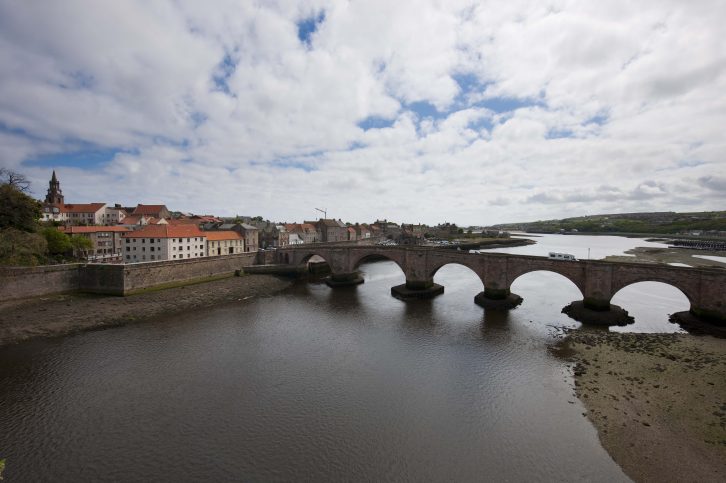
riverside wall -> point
(22, 282)
(116, 279)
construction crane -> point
(324, 211)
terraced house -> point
(164, 242)
(226, 242)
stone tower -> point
(55, 195)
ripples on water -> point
(314, 384)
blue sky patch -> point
(559, 133)
(86, 159)
(598, 119)
(225, 69)
(506, 104)
(375, 122)
(425, 109)
(308, 26)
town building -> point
(330, 230)
(225, 242)
(251, 234)
(106, 240)
(164, 242)
(299, 233)
(56, 209)
(362, 232)
(352, 235)
(155, 211)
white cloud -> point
(572, 106)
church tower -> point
(55, 195)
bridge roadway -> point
(597, 280)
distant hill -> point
(668, 222)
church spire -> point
(55, 195)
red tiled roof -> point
(183, 221)
(148, 209)
(131, 220)
(92, 229)
(81, 207)
(223, 235)
(351, 229)
(166, 231)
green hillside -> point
(673, 223)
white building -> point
(76, 214)
(225, 242)
(164, 242)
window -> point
(128, 249)
(128, 240)
(158, 240)
(152, 257)
(174, 256)
(152, 249)
(143, 249)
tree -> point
(21, 248)
(17, 180)
(58, 242)
(18, 210)
(81, 244)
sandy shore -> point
(658, 401)
(64, 314)
(669, 255)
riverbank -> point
(658, 401)
(58, 315)
(682, 256)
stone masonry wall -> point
(22, 282)
(115, 279)
(139, 276)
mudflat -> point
(682, 256)
(658, 401)
(58, 315)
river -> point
(320, 384)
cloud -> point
(381, 110)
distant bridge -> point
(597, 280)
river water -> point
(318, 384)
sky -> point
(418, 111)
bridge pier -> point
(344, 279)
(417, 289)
(497, 299)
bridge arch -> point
(441, 265)
(651, 303)
(560, 276)
(305, 257)
(573, 273)
(684, 288)
(362, 258)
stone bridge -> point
(597, 280)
